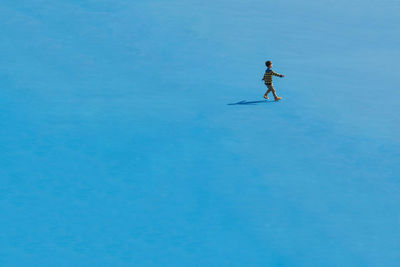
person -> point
(268, 80)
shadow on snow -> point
(244, 102)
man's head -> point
(268, 64)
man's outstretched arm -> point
(277, 74)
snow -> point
(122, 144)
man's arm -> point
(263, 79)
(277, 74)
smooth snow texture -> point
(132, 133)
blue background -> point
(121, 143)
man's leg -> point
(272, 89)
(266, 94)
(268, 91)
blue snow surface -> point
(135, 133)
